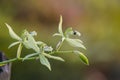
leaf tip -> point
(83, 58)
(86, 62)
(50, 68)
(60, 17)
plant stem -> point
(17, 59)
(19, 50)
(58, 52)
(7, 61)
(33, 58)
(59, 44)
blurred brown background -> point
(97, 20)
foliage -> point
(41, 50)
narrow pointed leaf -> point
(19, 50)
(30, 42)
(30, 55)
(26, 44)
(60, 26)
(68, 32)
(12, 33)
(40, 43)
(78, 40)
(56, 34)
(59, 44)
(53, 57)
(75, 43)
(44, 61)
(13, 44)
(83, 58)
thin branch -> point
(33, 58)
(17, 59)
(59, 52)
(59, 44)
(8, 61)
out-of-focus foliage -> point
(97, 20)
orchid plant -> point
(41, 51)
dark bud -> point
(74, 32)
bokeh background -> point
(97, 20)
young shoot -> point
(41, 51)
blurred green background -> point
(97, 20)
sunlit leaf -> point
(83, 58)
(13, 44)
(68, 32)
(30, 42)
(19, 50)
(60, 26)
(59, 44)
(78, 40)
(40, 43)
(30, 55)
(26, 44)
(44, 61)
(12, 33)
(53, 57)
(75, 42)
(57, 34)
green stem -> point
(7, 61)
(59, 52)
(17, 59)
(19, 50)
(32, 58)
(59, 45)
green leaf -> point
(13, 44)
(19, 50)
(57, 34)
(30, 55)
(40, 43)
(30, 43)
(53, 57)
(78, 40)
(83, 58)
(12, 33)
(75, 42)
(60, 26)
(68, 32)
(44, 61)
(59, 44)
(26, 44)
